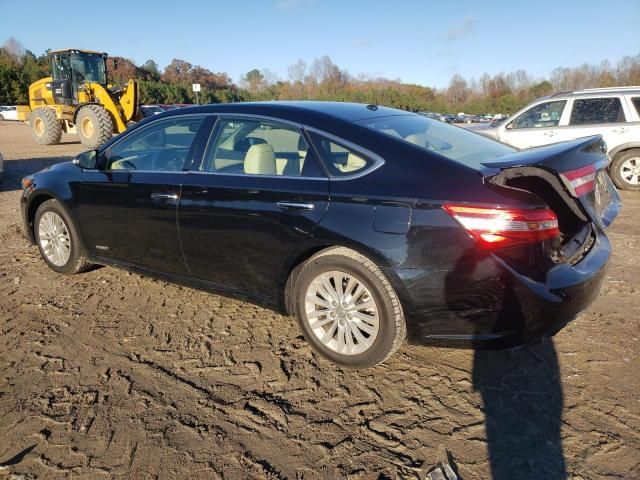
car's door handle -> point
(295, 206)
(164, 196)
(619, 130)
(550, 133)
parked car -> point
(8, 113)
(149, 110)
(434, 115)
(367, 223)
(613, 113)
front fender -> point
(54, 182)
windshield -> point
(88, 67)
(447, 140)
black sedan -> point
(369, 224)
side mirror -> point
(115, 64)
(87, 159)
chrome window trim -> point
(139, 171)
(377, 160)
(255, 175)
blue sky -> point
(418, 41)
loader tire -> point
(46, 129)
(94, 126)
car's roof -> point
(599, 92)
(298, 110)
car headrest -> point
(260, 160)
(419, 139)
(302, 147)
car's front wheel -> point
(347, 309)
(58, 239)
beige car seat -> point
(260, 160)
(419, 139)
(354, 163)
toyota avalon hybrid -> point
(369, 224)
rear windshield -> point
(452, 142)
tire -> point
(46, 129)
(348, 266)
(1, 118)
(48, 215)
(94, 125)
(625, 170)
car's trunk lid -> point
(576, 170)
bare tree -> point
(297, 73)
(14, 48)
(458, 90)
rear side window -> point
(591, 111)
(447, 140)
(255, 147)
(544, 115)
(636, 104)
(341, 161)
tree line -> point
(322, 79)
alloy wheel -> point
(342, 313)
(54, 238)
(630, 171)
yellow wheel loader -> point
(77, 99)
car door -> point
(604, 116)
(539, 125)
(127, 208)
(258, 194)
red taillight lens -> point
(505, 227)
(581, 180)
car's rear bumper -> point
(489, 304)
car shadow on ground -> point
(522, 398)
(520, 388)
(14, 170)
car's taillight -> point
(581, 180)
(505, 227)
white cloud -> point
(292, 4)
(460, 30)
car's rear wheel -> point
(58, 239)
(625, 170)
(347, 309)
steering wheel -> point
(123, 164)
(167, 160)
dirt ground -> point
(113, 375)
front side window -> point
(591, 111)
(447, 140)
(543, 115)
(161, 146)
(88, 67)
(256, 147)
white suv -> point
(613, 113)
(8, 113)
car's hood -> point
(490, 132)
